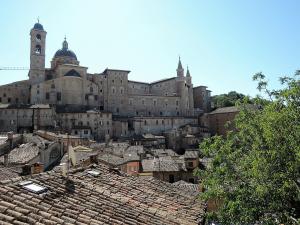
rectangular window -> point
(190, 164)
(58, 96)
(47, 96)
(8, 100)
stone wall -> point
(202, 98)
(120, 128)
(142, 105)
(100, 123)
(138, 88)
(19, 118)
(216, 121)
(15, 93)
(65, 90)
(157, 125)
(116, 91)
(166, 87)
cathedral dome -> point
(38, 26)
(65, 52)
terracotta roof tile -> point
(108, 198)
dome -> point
(65, 52)
(38, 26)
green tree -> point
(255, 170)
(225, 100)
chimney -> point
(10, 136)
(37, 168)
(26, 170)
(6, 160)
(64, 169)
(107, 140)
(93, 159)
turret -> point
(190, 92)
(180, 70)
(188, 77)
(182, 90)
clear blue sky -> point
(223, 42)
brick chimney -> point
(10, 136)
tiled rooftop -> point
(229, 109)
(189, 188)
(111, 159)
(191, 154)
(165, 163)
(22, 154)
(3, 139)
(9, 172)
(109, 198)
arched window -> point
(38, 49)
(38, 37)
(52, 86)
(91, 89)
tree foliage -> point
(225, 100)
(255, 170)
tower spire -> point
(180, 70)
(179, 64)
(188, 72)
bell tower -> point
(37, 54)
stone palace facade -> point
(98, 104)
